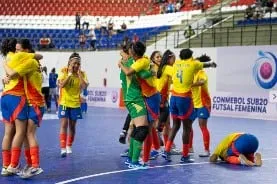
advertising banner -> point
(103, 97)
(246, 82)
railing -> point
(219, 36)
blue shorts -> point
(153, 107)
(13, 107)
(70, 113)
(201, 113)
(181, 108)
(35, 114)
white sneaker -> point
(4, 172)
(63, 152)
(31, 171)
(68, 149)
(14, 170)
(26, 167)
(175, 151)
(204, 154)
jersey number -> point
(179, 75)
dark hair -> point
(153, 54)
(125, 47)
(32, 51)
(25, 44)
(53, 70)
(44, 69)
(167, 54)
(75, 55)
(8, 45)
(185, 53)
(139, 48)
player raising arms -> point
(181, 105)
(71, 81)
(202, 105)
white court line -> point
(129, 170)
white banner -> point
(246, 82)
(243, 105)
(103, 97)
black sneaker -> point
(122, 138)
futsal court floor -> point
(96, 154)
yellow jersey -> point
(164, 82)
(200, 94)
(183, 74)
(33, 85)
(148, 86)
(223, 146)
(70, 93)
(14, 61)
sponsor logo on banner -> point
(265, 70)
(114, 96)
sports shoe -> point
(68, 149)
(4, 172)
(245, 161)
(186, 159)
(14, 170)
(125, 153)
(26, 167)
(258, 159)
(154, 154)
(204, 154)
(175, 151)
(128, 161)
(63, 152)
(191, 151)
(137, 165)
(122, 137)
(166, 156)
(31, 171)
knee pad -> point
(140, 133)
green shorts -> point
(136, 109)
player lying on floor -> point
(238, 148)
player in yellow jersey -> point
(238, 148)
(181, 106)
(35, 99)
(162, 66)
(14, 109)
(7, 50)
(202, 105)
(71, 81)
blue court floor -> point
(95, 158)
